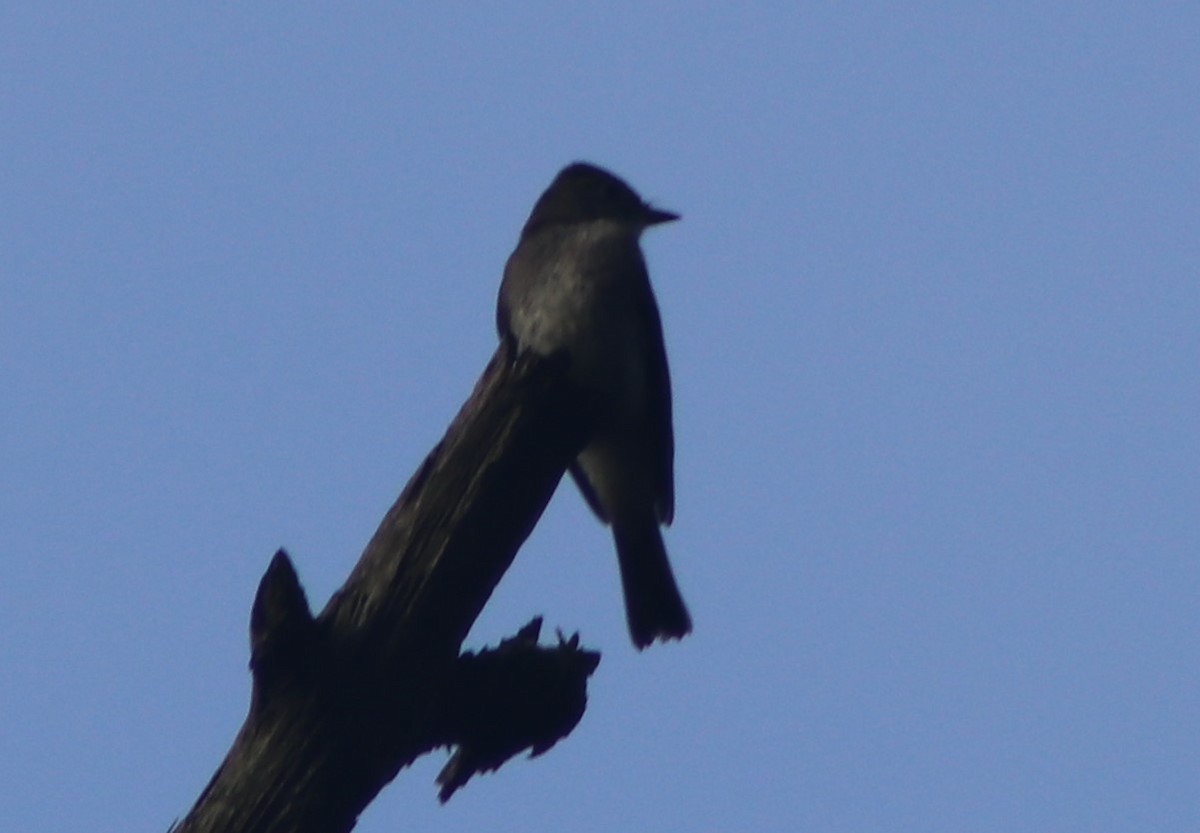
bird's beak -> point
(654, 216)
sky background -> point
(932, 317)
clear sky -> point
(932, 315)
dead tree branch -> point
(341, 702)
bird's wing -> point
(662, 432)
(659, 441)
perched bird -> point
(577, 282)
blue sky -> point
(932, 321)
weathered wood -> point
(341, 702)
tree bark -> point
(341, 702)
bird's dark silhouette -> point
(577, 282)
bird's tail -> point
(653, 606)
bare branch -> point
(343, 701)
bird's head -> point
(582, 193)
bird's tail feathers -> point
(653, 606)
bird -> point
(577, 283)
